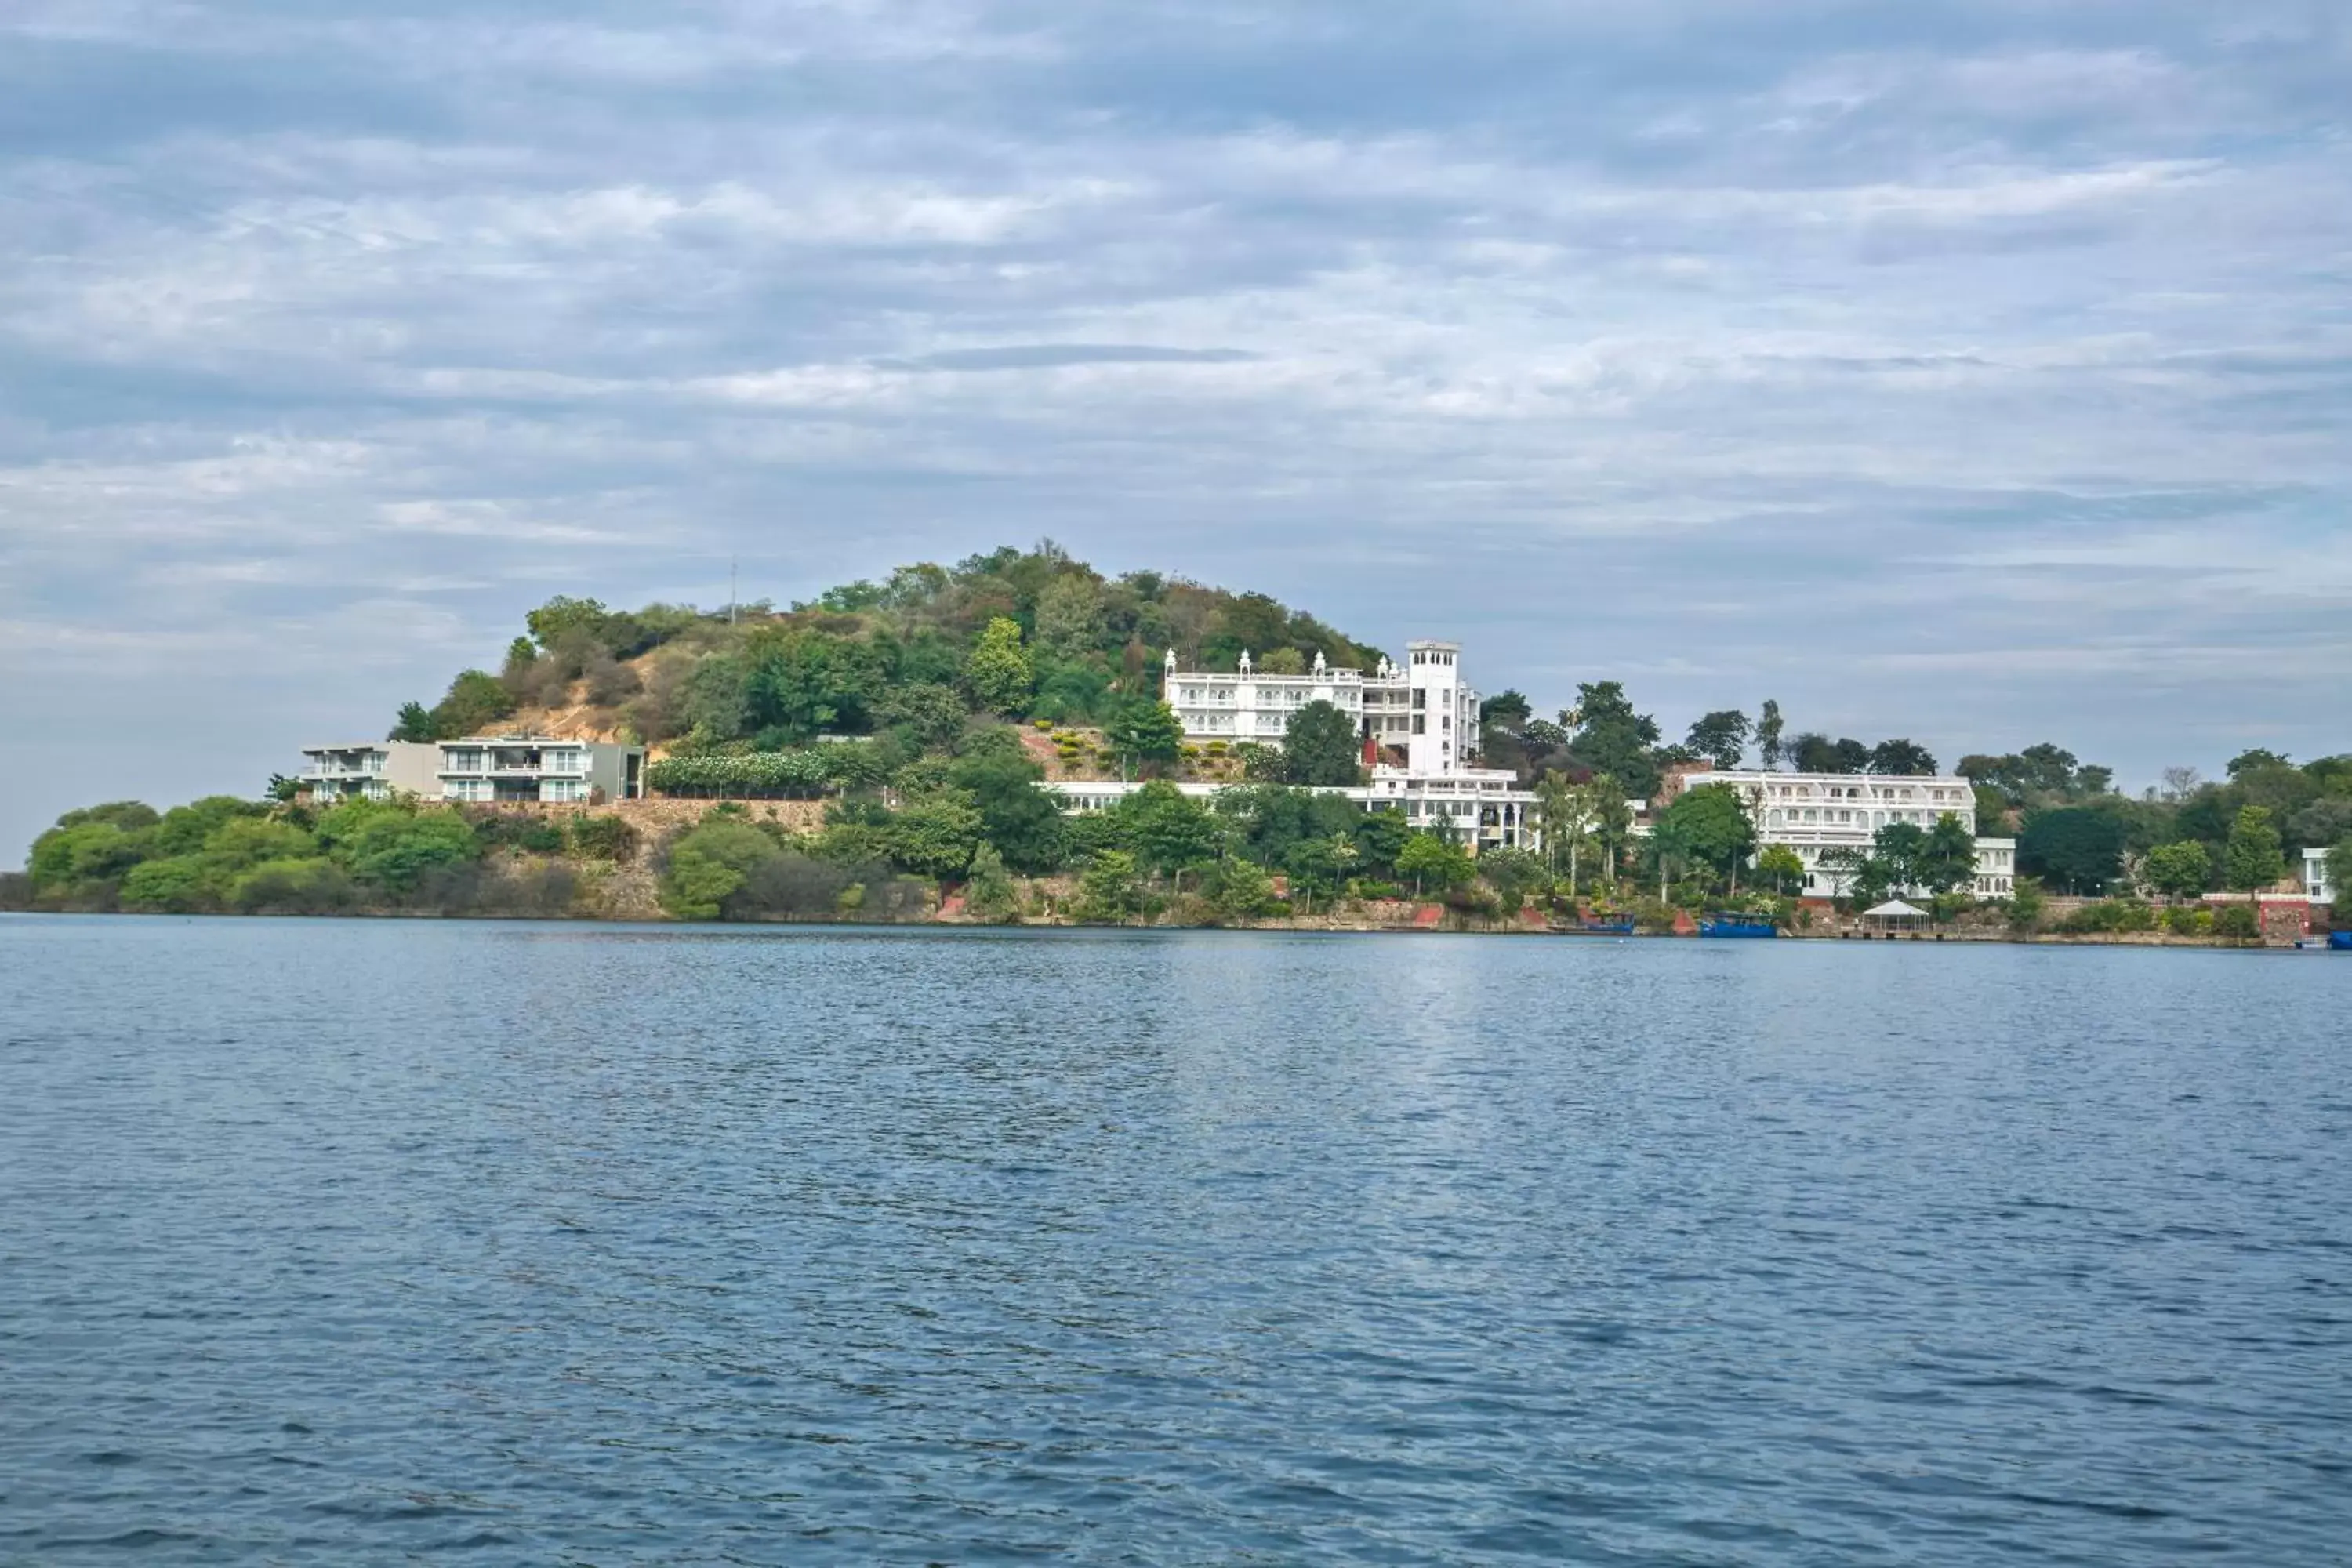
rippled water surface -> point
(362, 1242)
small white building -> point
(1813, 814)
(515, 768)
(369, 770)
(2316, 884)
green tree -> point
(2182, 871)
(1019, 818)
(185, 828)
(1781, 864)
(1508, 710)
(1897, 849)
(1706, 826)
(710, 864)
(1168, 829)
(1563, 821)
(1947, 858)
(2079, 847)
(1238, 889)
(476, 700)
(998, 672)
(392, 847)
(181, 884)
(1841, 865)
(563, 615)
(1108, 893)
(1381, 836)
(2253, 859)
(292, 888)
(1320, 747)
(989, 895)
(1512, 874)
(2339, 872)
(1069, 614)
(1902, 757)
(1610, 738)
(1816, 754)
(1721, 737)
(1432, 862)
(932, 713)
(1318, 865)
(799, 683)
(1146, 732)
(1612, 822)
(83, 852)
(937, 835)
(1770, 727)
(413, 724)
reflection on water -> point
(362, 1242)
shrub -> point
(2189, 920)
(786, 775)
(2109, 916)
(602, 838)
(293, 888)
(179, 886)
(391, 849)
(1652, 915)
(2237, 920)
(546, 890)
(989, 894)
(797, 887)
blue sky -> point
(1976, 371)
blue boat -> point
(1595, 928)
(2340, 941)
(1737, 925)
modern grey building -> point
(372, 770)
(489, 769)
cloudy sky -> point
(1974, 369)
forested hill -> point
(1011, 634)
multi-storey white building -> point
(487, 768)
(490, 769)
(371, 770)
(1815, 813)
(1422, 707)
(1420, 710)
(2314, 876)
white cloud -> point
(2002, 330)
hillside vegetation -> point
(911, 662)
(927, 711)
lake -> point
(383, 1242)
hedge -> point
(787, 775)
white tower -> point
(1436, 743)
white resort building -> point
(2316, 885)
(1418, 721)
(1423, 707)
(1815, 813)
(483, 769)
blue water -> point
(360, 1242)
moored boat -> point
(1738, 925)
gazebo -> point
(1895, 915)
